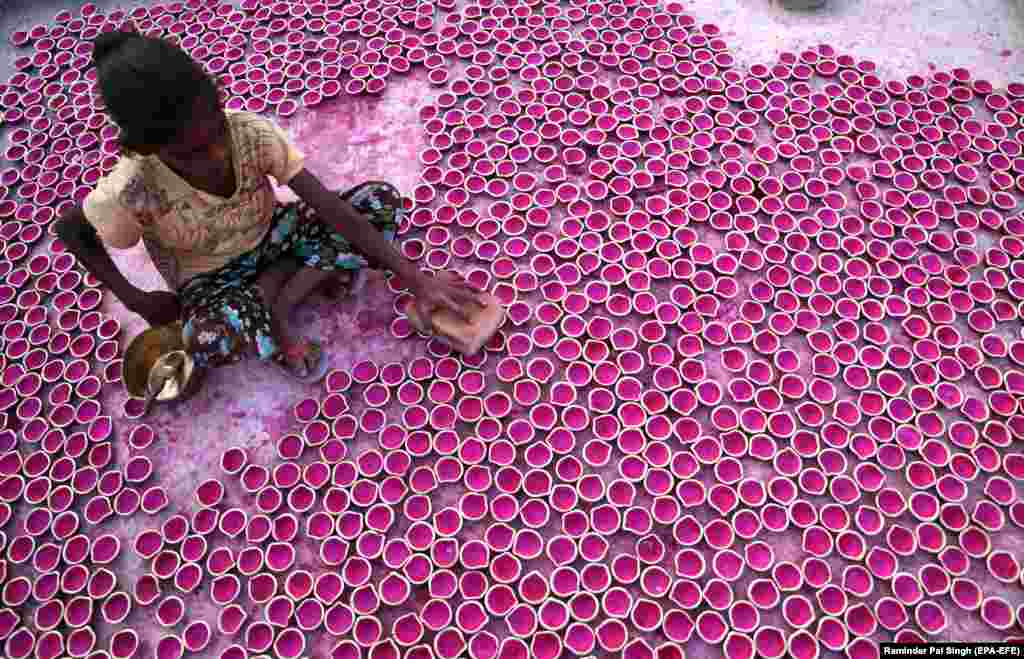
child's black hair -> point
(149, 86)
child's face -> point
(203, 138)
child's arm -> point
(430, 293)
(81, 239)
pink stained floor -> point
(351, 140)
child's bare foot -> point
(289, 287)
(302, 358)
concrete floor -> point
(356, 139)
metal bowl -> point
(147, 350)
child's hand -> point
(446, 292)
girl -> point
(192, 185)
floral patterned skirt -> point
(224, 314)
